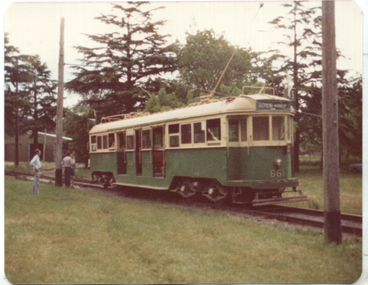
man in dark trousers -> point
(69, 166)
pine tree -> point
(129, 58)
(42, 98)
(303, 35)
(16, 103)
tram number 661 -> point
(277, 173)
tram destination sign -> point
(275, 105)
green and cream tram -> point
(237, 148)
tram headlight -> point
(278, 163)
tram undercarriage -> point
(215, 192)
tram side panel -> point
(197, 163)
(258, 164)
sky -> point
(34, 27)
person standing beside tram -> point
(36, 164)
(69, 165)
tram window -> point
(233, 130)
(122, 140)
(104, 141)
(174, 141)
(93, 139)
(213, 130)
(146, 139)
(260, 128)
(186, 133)
(174, 129)
(111, 140)
(157, 137)
(199, 132)
(278, 128)
(130, 142)
(243, 130)
(99, 142)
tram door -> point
(138, 152)
(158, 153)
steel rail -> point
(278, 213)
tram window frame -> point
(199, 133)
(122, 140)
(93, 143)
(174, 129)
(158, 137)
(289, 128)
(174, 132)
(174, 141)
(262, 133)
(130, 142)
(243, 129)
(111, 140)
(104, 142)
(99, 142)
(146, 139)
(212, 133)
(277, 133)
(186, 133)
(233, 128)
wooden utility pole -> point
(44, 146)
(17, 118)
(332, 230)
(59, 118)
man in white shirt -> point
(36, 164)
(69, 164)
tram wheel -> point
(215, 192)
(186, 188)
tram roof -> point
(242, 103)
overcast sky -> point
(35, 27)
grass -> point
(66, 235)
(350, 190)
(311, 180)
(310, 176)
(25, 167)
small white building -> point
(46, 143)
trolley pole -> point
(59, 118)
(332, 214)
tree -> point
(77, 127)
(350, 118)
(112, 74)
(204, 57)
(16, 96)
(162, 102)
(42, 98)
(303, 27)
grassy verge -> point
(310, 176)
(24, 167)
(75, 236)
(350, 190)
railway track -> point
(350, 224)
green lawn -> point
(76, 236)
(311, 183)
(310, 176)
